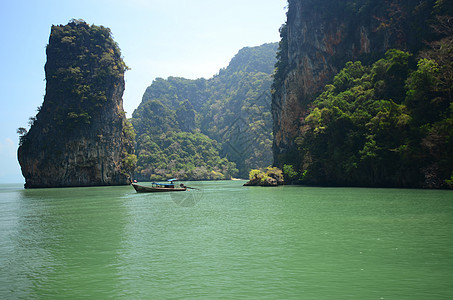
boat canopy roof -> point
(170, 182)
(165, 184)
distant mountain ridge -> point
(229, 113)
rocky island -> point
(270, 176)
(80, 135)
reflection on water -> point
(226, 241)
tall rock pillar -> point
(80, 136)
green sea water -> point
(225, 241)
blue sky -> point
(158, 38)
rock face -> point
(80, 136)
(319, 38)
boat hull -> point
(149, 189)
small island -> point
(270, 176)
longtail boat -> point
(160, 187)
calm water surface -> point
(226, 241)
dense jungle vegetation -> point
(208, 129)
(388, 122)
(382, 121)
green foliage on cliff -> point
(382, 125)
(228, 116)
(83, 64)
(166, 150)
(183, 155)
(290, 174)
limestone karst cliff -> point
(80, 136)
(318, 40)
(320, 37)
